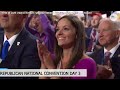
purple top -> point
(88, 64)
(32, 31)
(49, 32)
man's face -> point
(36, 23)
(107, 35)
(11, 21)
(95, 21)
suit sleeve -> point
(30, 58)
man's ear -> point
(25, 15)
(117, 33)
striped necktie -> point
(93, 39)
(107, 58)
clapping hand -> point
(45, 56)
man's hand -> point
(103, 72)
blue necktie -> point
(5, 50)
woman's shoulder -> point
(86, 59)
(86, 62)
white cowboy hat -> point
(115, 16)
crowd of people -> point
(46, 41)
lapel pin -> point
(0, 60)
(119, 55)
(18, 43)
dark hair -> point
(79, 46)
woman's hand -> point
(45, 57)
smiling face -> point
(66, 33)
(36, 23)
(107, 35)
(11, 21)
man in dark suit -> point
(22, 50)
(108, 37)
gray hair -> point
(115, 24)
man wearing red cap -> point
(91, 31)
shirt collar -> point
(112, 51)
(11, 40)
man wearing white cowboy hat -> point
(116, 17)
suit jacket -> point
(88, 31)
(98, 56)
(1, 30)
(22, 56)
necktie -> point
(5, 50)
(107, 58)
(93, 39)
(94, 33)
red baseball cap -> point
(98, 14)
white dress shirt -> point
(11, 40)
(112, 51)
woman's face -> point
(65, 33)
